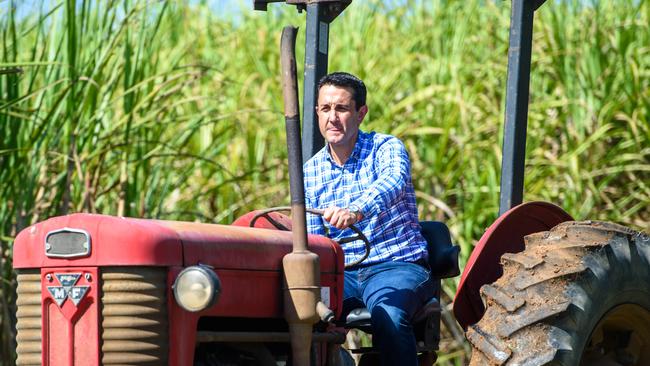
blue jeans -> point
(393, 292)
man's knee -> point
(389, 319)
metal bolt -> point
(88, 276)
(48, 277)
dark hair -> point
(345, 80)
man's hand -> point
(341, 218)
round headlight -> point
(196, 288)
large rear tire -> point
(579, 294)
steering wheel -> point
(359, 234)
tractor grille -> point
(29, 317)
(134, 316)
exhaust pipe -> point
(302, 305)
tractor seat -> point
(443, 261)
(359, 318)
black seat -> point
(443, 261)
(443, 255)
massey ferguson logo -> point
(67, 288)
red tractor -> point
(538, 289)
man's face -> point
(338, 117)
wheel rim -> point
(621, 337)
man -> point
(365, 179)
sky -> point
(228, 8)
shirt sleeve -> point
(393, 169)
(314, 222)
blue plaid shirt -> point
(375, 180)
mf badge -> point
(67, 288)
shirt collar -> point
(356, 152)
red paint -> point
(505, 235)
(245, 294)
(182, 326)
(114, 241)
(235, 247)
(249, 263)
(247, 260)
(70, 334)
(262, 222)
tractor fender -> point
(505, 235)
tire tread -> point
(537, 312)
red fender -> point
(505, 235)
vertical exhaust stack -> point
(301, 267)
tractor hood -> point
(237, 247)
(100, 240)
(110, 240)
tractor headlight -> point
(196, 288)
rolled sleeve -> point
(394, 170)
